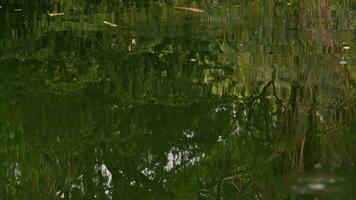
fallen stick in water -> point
(197, 10)
(110, 24)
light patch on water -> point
(342, 62)
(78, 183)
(170, 163)
(234, 110)
(17, 173)
(173, 160)
(321, 179)
(299, 189)
(316, 186)
(106, 174)
(220, 108)
(220, 139)
(245, 113)
(188, 134)
(237, 128)
(148, 158)
(317, 166)
(150, 174)
(194, 160)
(318, 114)
(309, 188)
(236, 131)
(176, 157)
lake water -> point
(177, 100)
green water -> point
(144, 100)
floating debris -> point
(0, 6)
(197, 10)
(342, 62)
(133, 42)
(132, 46)
(110, 24)
(54, 14)
(346, 47)
(18, 10)
(193, 59)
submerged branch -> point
(264, 91)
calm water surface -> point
(146, 100)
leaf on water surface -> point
(110, 24)
(54, 14)
(197, 10)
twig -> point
(110, 24)
(197, 10)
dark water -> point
(144, 100)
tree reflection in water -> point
(140, 100)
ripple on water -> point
(314, 184)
